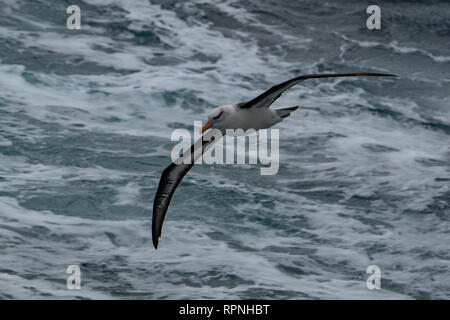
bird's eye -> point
(218, 116)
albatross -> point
(255, 114)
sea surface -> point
(86, 118)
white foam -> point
(395, 47)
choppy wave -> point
(85, 124)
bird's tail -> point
(285, 112)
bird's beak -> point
(207, 125)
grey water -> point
(86, 118)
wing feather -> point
(266, 99)
(170, 179)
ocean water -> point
(85, 123)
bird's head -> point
(217, 118)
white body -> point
(253, 118)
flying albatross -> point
(254, 114)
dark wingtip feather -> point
(382, 74)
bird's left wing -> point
(171, 178)
(266, 99)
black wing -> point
(266, 99)
(170, 179)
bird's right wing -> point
(266, 99)
(171, 178)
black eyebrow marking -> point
(217, 117)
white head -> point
(218, 118)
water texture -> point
(85, 123)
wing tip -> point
(155, 238)
(378, 74)
(155, 243)
(386, 74)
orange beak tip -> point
(207, 125)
